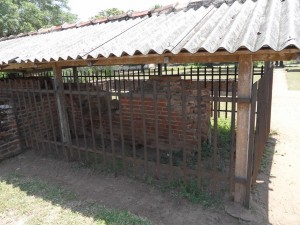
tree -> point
(17, 16)
(108, 12)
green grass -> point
(31, 201)
(192, 192)
(293, 79)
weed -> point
(38, 202)
(192, 192)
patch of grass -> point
(32, 201)
(192, 192)
(293, 79)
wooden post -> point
(60, 100)
(159, 66)
(75, 74)
(243, 128)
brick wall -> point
(179, 128)
(10, 144)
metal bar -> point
(156, 130)
(144, 127)
(74, 120)
(101, 127)
(170, 131)
(92, 127)
(108, 97)
(132, 122)
(183, 94)
(38, 118)
(82, 121)
(199, 133)
(215, 143)
(20, 108)
(226, 103)
(232, 141)
(45, 122)
(31, 107)
(124, 158)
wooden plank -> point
(251, 145)
(219, 56)
(50, 105)
(62, 113)
(243, 126)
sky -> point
(86, 9)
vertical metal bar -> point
(74, 121)
(232, 141)
(82, 121)
(220, 80)
(144, 127)
(215, 144)
(139, 78)
(133, 82)
(22, 113)
(199, 132)
(184, 73)
(124, 158)
(227, 90)
(205, 74)
(191, 73)
(132, 123)
(183, 93)
(31, 115)
(92, 125)
(101, 126)
(156, 130)
(43, 114)
(38, 118)
(170, 131)
(108, 97)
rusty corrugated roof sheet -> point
(172, 29)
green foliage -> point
(19, 16)
(107, 13)
(157, 6)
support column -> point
(60, 101)
(75, 74)
(243, 127)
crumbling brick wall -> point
(9, 136)
(181, 128)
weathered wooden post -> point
(243, 127)
(75, 74)
(62, 113)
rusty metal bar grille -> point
(160, 126)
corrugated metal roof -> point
(252, 25)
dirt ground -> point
(275, 200)
(277, 193)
